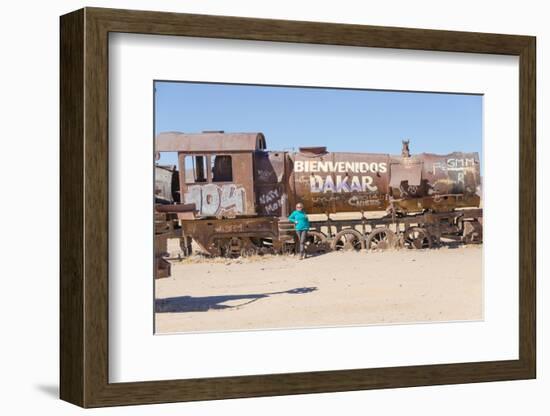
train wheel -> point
(288, 248)
(316, 243)
(348, 239)
(231, 247)
(249, 251)
(472, 232)
(263, 245)
(381, 239)
(417, 238)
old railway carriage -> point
(236, 195)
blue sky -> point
(342, 120)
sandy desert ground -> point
(334, 289)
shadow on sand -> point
(206, 303)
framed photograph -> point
(254, 207)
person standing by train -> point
(301, 224)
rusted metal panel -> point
(444, 180)
(227, 199)
(437, 203)
(212, 234)
(405, 172)
(209, 142)
(166, 183)
(340, 182)
(269, 167)
(313, 150)
(176, 208)
(216, 200)
(269, 185)
(453, 173)
(165, 228)
(271, 199)
(343, 182)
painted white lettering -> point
(367, 184)
(342, 184)
(355, 184)
(329, 184)
(315, 183)
(210, 199)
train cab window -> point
(195, 169)
(222, 168)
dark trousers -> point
(302, 236)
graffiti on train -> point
(456, 169)
(270, 201)
(214, 199)
(349, 176)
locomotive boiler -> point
(236, 195)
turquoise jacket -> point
(299, 218)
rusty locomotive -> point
(232, 196)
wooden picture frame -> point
(84, 207)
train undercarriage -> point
(247, 236)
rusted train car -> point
(237, 195)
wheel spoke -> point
(348, 239)
(417, 238)
(381, 238)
